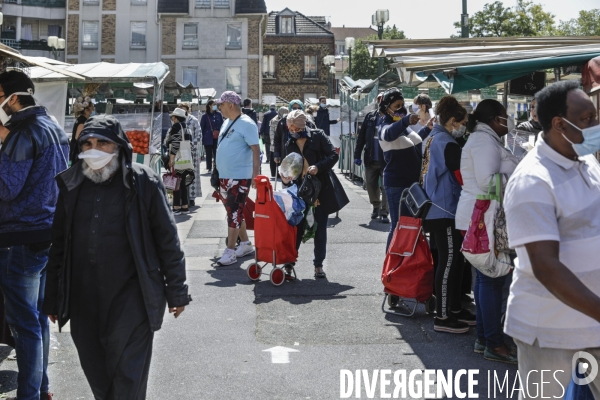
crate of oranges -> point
(140, 140)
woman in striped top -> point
(176, 134)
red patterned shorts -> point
(235, 192)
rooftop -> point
(357, 33)
(303, 25)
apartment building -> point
(294, 47)
(28, 23)
(214, 43)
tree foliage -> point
(525, 19)
(587, 24)
(363, 65)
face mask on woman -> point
(416, 108)
(510, 123)
(214, 108)
(459, 132)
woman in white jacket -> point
(482, 157)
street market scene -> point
(266, 199)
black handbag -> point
(309, 190)
(416, 200)
(215, 181)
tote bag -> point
(479, 243)
(171, 181)
(183, 159)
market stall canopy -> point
(465, 64)
(208, 92)
(36, 62)
(103, 72)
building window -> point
(269, 67)
(190, 75)
(190, 36)
(341, 49)
(139, 2)
(202, 3)
(287, 25)
(90, 35)
(234, 79)
(310, 67)
(221, 3)
(138, 35)
(234, 36)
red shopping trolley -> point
(407, 274)
(274, 237)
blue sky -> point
(420, 19)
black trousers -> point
(115, 367)
(180, 197)
(450, 264)
(272, 164)
(211, 154)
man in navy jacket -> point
(34, 150)
(322, 121)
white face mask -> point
(4, 117)
(510, 123)
(459, 132)
(416, 108)
(96, 159)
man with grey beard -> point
(115, 261)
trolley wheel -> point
(392, 300)
(277, 276)
(254, 271)
(430, 305)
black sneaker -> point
(375, 213)
(450, 325)
(465, 316)
(385, 219)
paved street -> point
(216, 349)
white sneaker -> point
(244, 249)
(228, 257)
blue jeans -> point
(488, 298)
(23, 281)
(393, 197)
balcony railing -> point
(310, 74)
(221, 3)
(137, 45)
(269, 75)
(27, 44)
(89, 45)
(202, 3)
(190, 43)
(38, 3)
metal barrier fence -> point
(346, 163)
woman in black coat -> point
(319, 159)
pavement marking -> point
(280, 354)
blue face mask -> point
(591, 140)
(214, 108)
(323, 105)
(298, 135)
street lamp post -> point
(464, 20)
(56, 44)
(329, 60)
(350, 45)
(379, 19)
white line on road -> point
(281, 355)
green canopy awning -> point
(484, 75)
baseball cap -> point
(230, 97)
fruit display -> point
(140, 140)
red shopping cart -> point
(407, 274)
(274, 237)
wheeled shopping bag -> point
(407, 274)
(274, 237)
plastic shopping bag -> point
(292, 206)
(291, 166)
(183, 160)
(310, 228)
(479, 243)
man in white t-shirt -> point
(551, 203)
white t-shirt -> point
(550, 197)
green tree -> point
(525, 19)
(363, 65)
(587, 24)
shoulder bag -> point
(215, 181)
(215, 132)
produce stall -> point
(109, 85)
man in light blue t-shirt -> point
(238, 163)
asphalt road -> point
(222, 346)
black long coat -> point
(319, 152)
